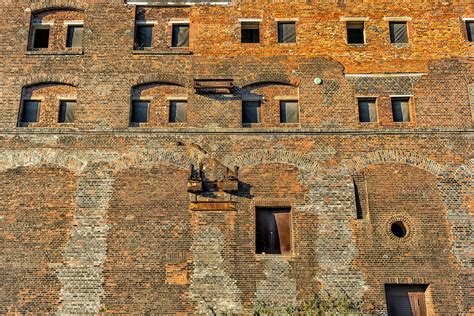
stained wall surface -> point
(98, 215)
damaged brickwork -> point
(104, 215)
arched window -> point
(159, 104)
(47, 105)
(56, 30)
(269, 104)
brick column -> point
(85, 252)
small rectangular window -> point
(250, 112)
(143, 36)
(286, 32)
(470, 30)
(398, 32)
(30, 111)
(273, 230)
(401, 109)
(140, 111)
(178, 111)
(355, 32)
(367, 109)
(41, 37)
(67, 111)
(74, 36)
(180, 36)
(289, 112)
(405, 299)
(250, 32)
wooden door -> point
(406, 300)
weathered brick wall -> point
(96, 216)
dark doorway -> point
(273, 231)
(406, 300)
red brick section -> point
(96, 216)
(396, 193)
(37, 209)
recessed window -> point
(398, 32)
(30, 111)
(273, 230)
(367, 110)
(250, 112)
(140, 110)
(470, 30)
(67, 111)
(398, 229)
(178, 111)
(355, 32)
(41, 37)
(286, 32)
(250, 32)
(405, 299)
(143, 36)
(74, 36)
(401, 109)
(180, 36)
(289, 112)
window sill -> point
(247, 125)
(400, 45)
(162, 52)
(267, 256)
(357, 45)
(56, 53)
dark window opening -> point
(144, 36)
(289, 112)
(355, 33)
(406, 299)
(250, 32)
(273, 231)
(398, 229)
(286, 32)
(358, 204)
(178, 111)
(41, 38)
(140, 111)
(67, 111)
(74, 36)
(367, 110)
(30, 110)
(398, 32)
(250, 112)
(401, 109)
(180, 36)
(470, 31)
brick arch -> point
(168, 78)
(51, 5)
(465, 172)
(353, 165)
(302, 162)
(279, 79)
(149, 158)
(50, 79)
(16, 159)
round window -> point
(399, 229)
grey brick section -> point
(212, 287)
(86, 250)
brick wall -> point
(96, 215)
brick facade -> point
(98, 215)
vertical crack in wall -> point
(212, 288)
(85, 253)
